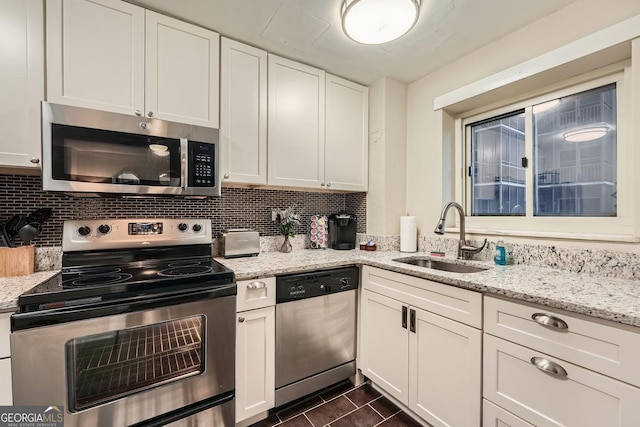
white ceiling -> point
(310, 31)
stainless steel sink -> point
(441, 265)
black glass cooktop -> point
(96, 283)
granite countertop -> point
(12, 287)
(617, 300)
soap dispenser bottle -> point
(500, 257)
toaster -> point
(239, 242)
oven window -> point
(108, 366)
(108, 157)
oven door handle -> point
(56, 316)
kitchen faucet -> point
(462, 243)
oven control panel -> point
(122, 233)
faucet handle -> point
(473, 249)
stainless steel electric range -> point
(138, 329)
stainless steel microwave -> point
(88, 151)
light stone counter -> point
(617, 300)
(12, 287)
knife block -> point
(17, 261)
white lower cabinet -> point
(6, 391)
(430, 363)
(550, 368)
(495, 416)
(255, 348)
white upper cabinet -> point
(182, 71)
(22, 82)
(98, 51)
(346, 162)
(95, 54)
(243, 113)
(318, 128)
(296, 124)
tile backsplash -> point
(237, 207)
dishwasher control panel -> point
(293, 287)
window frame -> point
(622, 227)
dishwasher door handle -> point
(404, 317)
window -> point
(549, 166)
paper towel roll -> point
(408, 234)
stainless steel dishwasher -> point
(315, 331)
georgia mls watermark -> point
(31, 416)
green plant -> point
(287, 220)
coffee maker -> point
(342, 230)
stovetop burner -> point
(96, 280)
(188, 270)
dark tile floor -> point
(341, 406)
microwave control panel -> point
(201, 164)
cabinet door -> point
(495, 416)
(6, 391)
(182, 71)
(296, 124)
(255, 362)
(580, 398)
(384, 344)
(346, 135)
(95, 54)
(243, 113)
(22, 82)
(445, 370)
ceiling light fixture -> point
(378, 21)
(545, 106)
(586, 134)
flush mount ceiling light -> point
(586, 134)
(545, 106)
(378, 21)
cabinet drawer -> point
(256, 293)
(5, 330)
(581, 398)
(495, 416)
(595, 344)
(454, 303)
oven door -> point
(123, 369)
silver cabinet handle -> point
(328, 184)
(150, 114)
(143, 125)
(549, 367)
(256, 285)
(549, 320)
(240, 319)
(226, 176)
(322, 184)
(138, 113)
(34, 160)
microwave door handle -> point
(184, 162)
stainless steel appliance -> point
(239, 242)
(90, 151)
(342, 231)
(315, 331)
(138, 329)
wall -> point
(387, 157)
(237, 207)
(429, 140)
